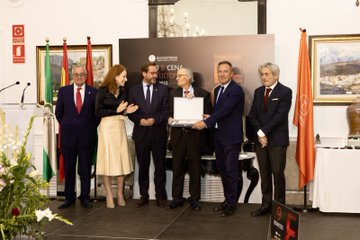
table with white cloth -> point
(336, 185)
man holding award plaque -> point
(227, 121)
(187, 104)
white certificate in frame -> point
(187, 111)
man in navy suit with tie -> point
(150, 133)
(75, 112)
(227, 120)
(269, 118)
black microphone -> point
(23, 93)
(17, 83)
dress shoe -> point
(195, 205)
(142, 202)
(160, 202)
(261, 211)
(66, 204)
(174, 205)
(110, 202)
(121, 202)
(220, 207)
(228, 210)
(86, 204)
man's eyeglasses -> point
(79, 75)
(180, 75)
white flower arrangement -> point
(21, 184)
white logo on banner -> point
(152, 58)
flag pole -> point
(305, 207)
(90, 81)
(303, 120)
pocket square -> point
(274, 99)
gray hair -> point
(189, 73)
(76, 65)
(272, 67)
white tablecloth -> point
(337, 180)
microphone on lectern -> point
(17, 83)
(23, 93)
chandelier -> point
(167, 27)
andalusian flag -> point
(64, 81)
(49, 150)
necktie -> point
(78, 100)
(147, 96)
(266, 97)
(186, 92)
(221, 91)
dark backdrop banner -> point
(201, 55)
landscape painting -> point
(335, 68)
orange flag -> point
(303, 117)
(89, 64)
(63, 82)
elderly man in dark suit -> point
(269, 118)
(227, 120)
(75, 112)
(150, 134)
(186, 143)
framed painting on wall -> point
(335, 65)
(102, 62)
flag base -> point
(305, 208)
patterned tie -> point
(147, 97)
(221, 91)
(186, 92)
(78, 100)
(266, 97)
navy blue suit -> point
(150, 138)
(228, 112)
(273, 121)
(78, 138)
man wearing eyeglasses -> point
(149, 132)
(75, 112)
(186, 143)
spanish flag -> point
(63, 82)
(303, 117)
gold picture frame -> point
(335, 68)
(102, 62)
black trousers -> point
(158, 150)
(186, 155)
(272, 161)
(227, 162)
(85, 156)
